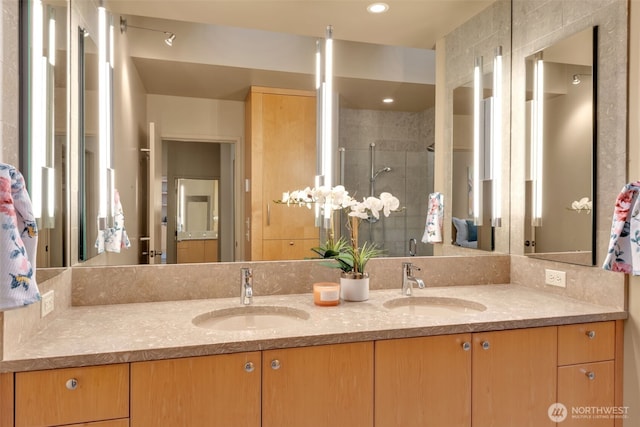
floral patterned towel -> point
(624, 246)
(112, 239)
(18, 242)
(435, 213)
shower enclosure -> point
(383, 151)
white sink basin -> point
(250, 317)
(433, 306)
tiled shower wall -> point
(401, 140)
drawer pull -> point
(591, 334)
(249, 367)
(72, 384)
(275, 364)
(485, 345)
(466, 346)
(591, 375)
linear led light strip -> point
(537, 139)
(105, 60)
(496, 140)
(477, 99)
(324, 86)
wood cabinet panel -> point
(514, 377)
(208, 391)
(586, 342)
(101, 393)
(190, 251)
(329, 385)
(6, 400)
(281, 135)
(423, 382)
(586, 386)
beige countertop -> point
(96, 335)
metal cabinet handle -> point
(485, 345)
(275, 364)
(591, 375)
(591, 334)
(268, 213)
(291, 243)
(249, 367)
(71, 384)
(466, 346)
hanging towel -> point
(18, 242)
(112, 239)
(435, 214)
(624, 245)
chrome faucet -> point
(408, 280)
(246, 286)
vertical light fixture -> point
(537, 138)
(41, 177)
(38, 108)
(477, 140)
(324, 87)
(106, 172)
(496, 141)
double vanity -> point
(490, 354)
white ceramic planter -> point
(354, 289)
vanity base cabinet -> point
(207, 391)
(190, 251)
(514, 377)
(327, 385)
(71, 396)
(423, 381)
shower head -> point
(384, 169)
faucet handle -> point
(409, 267)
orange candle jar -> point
(326, 293)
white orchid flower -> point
(390, 203)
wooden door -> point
(211, 391)
(330, 385)
(423, 382)
(514, 377)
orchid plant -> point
(351, 258)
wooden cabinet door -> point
(423, 382)
(514, 377)
(211, 391)
(71, 396)
(329, 385)
(586, 386)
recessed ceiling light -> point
(388, 100)
(377, 7)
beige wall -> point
(632, 326)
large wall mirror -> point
(194, 92)
(561, 98)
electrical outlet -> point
(555, 278)
(46, 304)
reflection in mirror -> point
(197, 220)
(561, 94)
(44, 124)
(472, 148)
(88, 150)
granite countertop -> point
(95, 335)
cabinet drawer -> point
(111, 423)
(581, 388)
(71, 396)
(587, 342)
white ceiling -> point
(408, 23)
